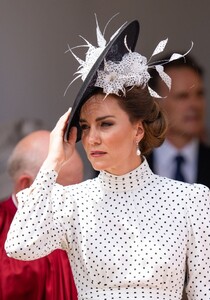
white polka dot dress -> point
(127, 237)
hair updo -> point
(140, 105)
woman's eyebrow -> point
(97, 119)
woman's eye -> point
(106, 124)
(84, 126)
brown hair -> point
(140, 105)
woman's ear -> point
(139, 131)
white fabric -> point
(128, 237)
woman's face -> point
(108, 136)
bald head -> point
(29, 155)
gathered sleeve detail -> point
(198, 250)
(36, 229)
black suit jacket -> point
(203, 174)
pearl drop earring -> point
(138, 151)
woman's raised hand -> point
(59, 149)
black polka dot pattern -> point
(127, 237)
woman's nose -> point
(94, 137)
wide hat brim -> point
(114, 51)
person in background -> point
(11, 133)
(48, 278)
(184, 155)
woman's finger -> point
(72, 136)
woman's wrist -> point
(52, 164)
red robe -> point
(47, 278)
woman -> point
(129, 233)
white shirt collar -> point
(164, 159)
(14, 200)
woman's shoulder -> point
(199, 195)
(184, 188)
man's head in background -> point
(28, 156)
(185, 103)
(10, 134)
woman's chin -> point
(99, 167)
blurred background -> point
(35, 71)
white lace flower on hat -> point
(131, 70)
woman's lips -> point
(97, 153)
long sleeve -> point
(35, 232)
(198, 252)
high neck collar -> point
(136, 178)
